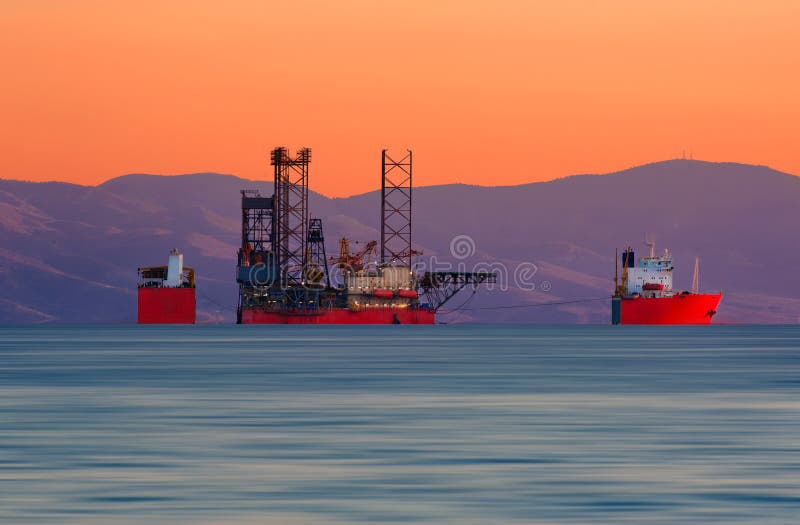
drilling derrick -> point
(291, 213)
(317, 261)
(396, 210)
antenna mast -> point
(696, 276)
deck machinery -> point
(285, 276)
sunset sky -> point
(488, 93)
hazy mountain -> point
(69, 253)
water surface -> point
(399, 424)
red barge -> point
(166, 294)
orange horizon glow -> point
(495, 93)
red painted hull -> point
(679, 309)
(166, 306)
(341, 316)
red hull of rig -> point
(678, 309)
(166, 306)
(340, 316)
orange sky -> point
(483, 92)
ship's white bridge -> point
(651, 277)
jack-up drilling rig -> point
(283, 272)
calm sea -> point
(399, 424)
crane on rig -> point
(356, 261)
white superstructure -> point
(652, 276)
(174, 269)
(386, 278)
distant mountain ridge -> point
(69, 253)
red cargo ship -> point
(167, 293)
(645, 294)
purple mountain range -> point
(69, 253)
